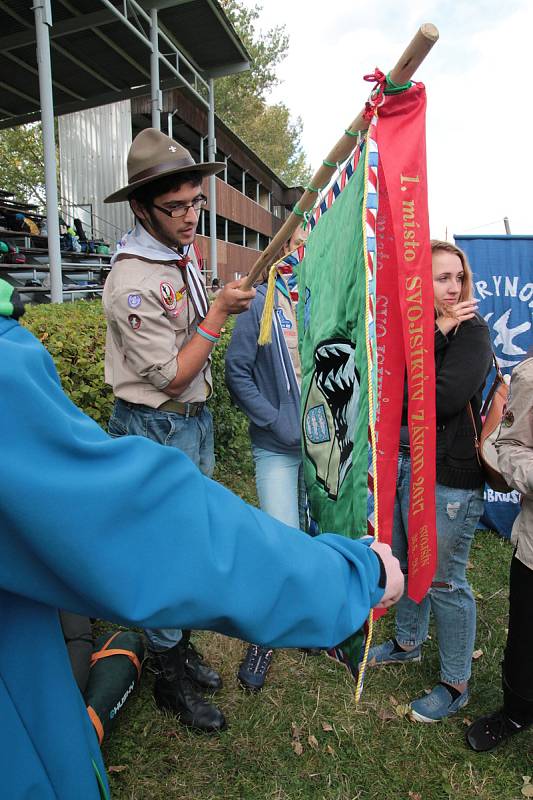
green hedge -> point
(74, 335)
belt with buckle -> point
(186, 409)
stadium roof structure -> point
(68, 55)
(100, 51)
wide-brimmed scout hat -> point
(153, 155)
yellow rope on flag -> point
(265, 330)
(364, 660)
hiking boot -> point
(390, 652)
(175, 691)
(438, 704)
(488, 732)
(254, 667)
(196, 668)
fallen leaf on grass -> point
(295, 731)
(327, 727)
(296, 744)
(467, 721)
(527, 788)
(469, 565)
(330, 750)
(312, 742)
(415, 796)
(146, 729)
(477, 654)
(297, 747)
(386, 714)
(393, 701)
(402, 710)
(120, 768)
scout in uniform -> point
(161, 330)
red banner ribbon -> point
(405, 301)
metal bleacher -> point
(83, 274)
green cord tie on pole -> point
(314, 189)
(305, 215)
(355, 134)
(395, 88)
(299, 213)
(329, 163)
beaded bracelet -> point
(211, 333)
(209, 336)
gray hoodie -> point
(262, 381)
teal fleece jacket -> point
(127, 530)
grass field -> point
(303, 737)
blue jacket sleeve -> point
(127, 530)
(239, 365)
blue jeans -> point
(450, 597)
(193, 435)
(280, 486)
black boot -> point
(489, 731)
(518, 708)
(176, 692)
(195, 666)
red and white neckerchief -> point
(138, 242)
(196, 290)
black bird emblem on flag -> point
(330, 413)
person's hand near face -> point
(448, 277)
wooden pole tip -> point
(429, 31)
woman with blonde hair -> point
(463, 357)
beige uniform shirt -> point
(515, 455)
(149, 319)
(287, 320)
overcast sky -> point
(478, 81)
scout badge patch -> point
(168, 296)
(134, 300)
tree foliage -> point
(22, 162)
(240, 100)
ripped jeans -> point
(450, 597)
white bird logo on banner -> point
(506, 336)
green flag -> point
(333, 342)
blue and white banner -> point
(503, 284)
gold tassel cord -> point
(265, 330)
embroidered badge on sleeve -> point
(134, 300)
(168, 296)
(134, 321)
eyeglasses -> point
(180, 209)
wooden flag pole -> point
(404, 70)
